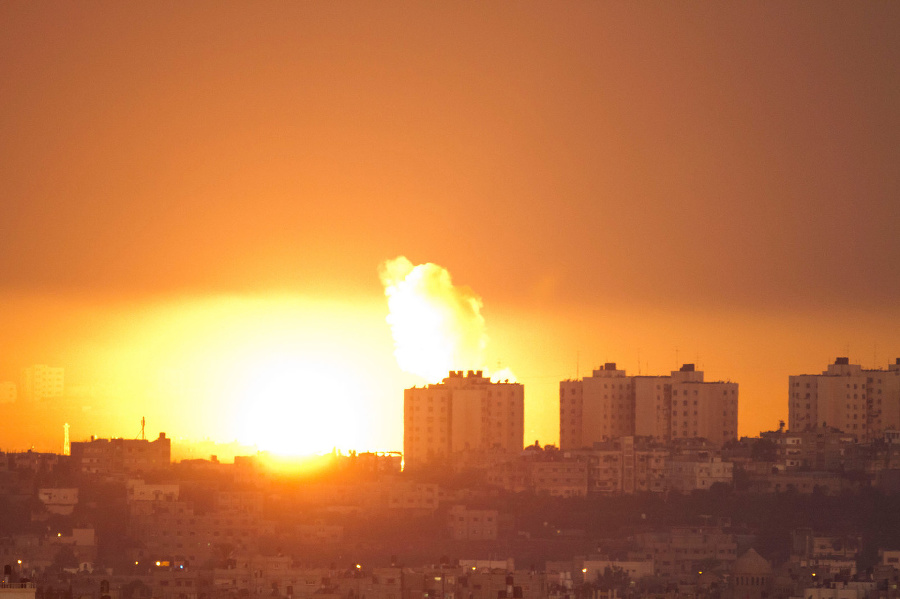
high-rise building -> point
(462, 413)
(43, 382)
(610, 404)
(596, 408)
(700, 409)
(847, 397)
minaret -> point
(67, 448)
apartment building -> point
(43, 382)
(610, 404)
(679, 551)
(846, 397)
(465, 412)
(467, 524)
(685, 473)
(624, 466)
(117, 457)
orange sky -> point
(617, 181)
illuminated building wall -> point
(609, 404)
(847, 397)
(462, 413)
(596, 408)
(701, 409)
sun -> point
(283, 374)
(296, 405)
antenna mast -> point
(143, 422)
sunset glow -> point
(282, 373)
(299, 405)
(449, 300)
(261, 224)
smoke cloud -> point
(437, 326)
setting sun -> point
(294, 405)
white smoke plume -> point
(437, 326)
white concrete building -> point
(460, 414)
(707, 410)
(865, 403)
(596, 408)
(60, 501)
(610, 404)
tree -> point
(613, 577)
(65, 558)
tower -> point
(462, 413)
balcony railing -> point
(16, 585)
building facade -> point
(465, 524)
(680, 551)
(864, 403)
(43, 382)
(700, 409)
(610, 404)
(463, 413)
(117, 457)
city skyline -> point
(200, 203)
(640, 406)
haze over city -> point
(234, 219)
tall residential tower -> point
(847, 397)
(462, 413)
(610, 404)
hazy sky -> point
(646, 183)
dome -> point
(751, 564)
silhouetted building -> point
(848, 398)
(121, 456)
(463, 413)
